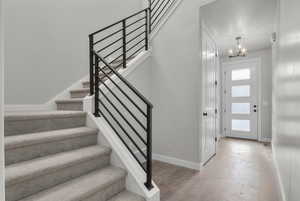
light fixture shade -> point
(240, 51)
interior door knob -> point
(255, 108)
(205, 114)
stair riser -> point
(15, 127)
(43, 149)
(70, 106)
(86, 85)
(26, 188)
(107, 193)
(79, 94)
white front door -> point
(241, 100)
(209, 64)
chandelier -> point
(239, 51)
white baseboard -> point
(279, 179)
(266, 140)
(26, 108)
(178, 162)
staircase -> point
(54, 156)
(75, 102)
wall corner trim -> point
(279, 179)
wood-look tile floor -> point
(241, 171)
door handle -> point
(255, 108)
(205, 114)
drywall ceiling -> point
(254, 20)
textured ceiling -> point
(252, 19)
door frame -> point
(205, 29)
(259, 91)
(2, 167)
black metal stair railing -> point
(131, 127)
(158, 10)
(120, 41)
(123, 107)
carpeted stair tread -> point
(17, 141)
(34, 168)
(81, 187)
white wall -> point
(47, 43)
(266, 88)
(286, 115)
(176, 74)
(2, 197)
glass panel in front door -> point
(241, 85)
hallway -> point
(242, 171)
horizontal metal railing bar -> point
(123, 117)
(132, 47)
(136, 14)
(127, 109)
(143, 98)
(155, 23)
(162, 10)
(118, 22)
(129, 33)
(110, 44)
(137, 51)
(118, 65)
(158, 9)
(129, 149)
(122, 128)
(128, 97)
(105, 28)
(111, 53)
(114, 60)
(106, 37)
(129, 25)
(154, 5)
(144, 32)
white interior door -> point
(241, 99)
(209, 64)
